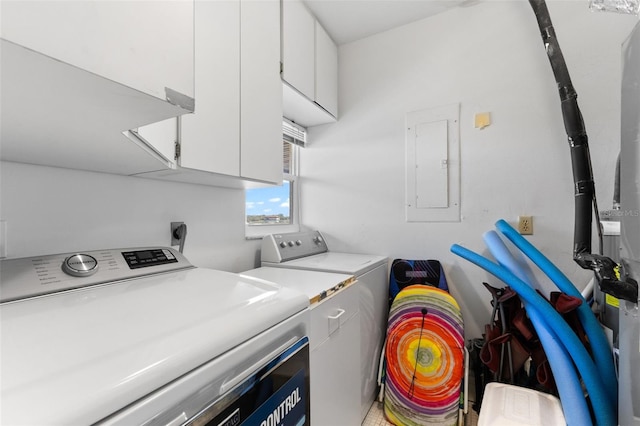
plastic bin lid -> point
(509, 405)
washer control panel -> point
(41, 275)
(277, 248)
(145, 258)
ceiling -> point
(350, 20)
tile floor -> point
(375, 417)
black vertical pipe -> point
(605, 269)
(577, 135)
(616, 186)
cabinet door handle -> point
(334, 321)
(178, 420)
(338, 315)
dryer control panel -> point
(41, 275)
(278, 248)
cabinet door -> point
(374, 307)
(145, 45)
(211, 136)
(261, 94)
(161, 137)
(298, 56)
(335, 377)
(335, 359)
(326, 71)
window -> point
(269, 206)
(274, 208)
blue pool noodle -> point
(574, 405)
(599, 345)
(604, 410)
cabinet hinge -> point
(281, 67)
(177, 146)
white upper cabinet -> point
(235, 134)
(261, 92)
(326, 71)
(210, 138)
(76, 76)
(298, 53)
(310, 67)
(145, 45)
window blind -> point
(294, 133)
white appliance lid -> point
(316, 285)
(346, 263)
(78, 356)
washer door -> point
(277, 393)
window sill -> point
(256, 232)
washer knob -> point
(290, 243)
(283, 244)
(80, 265)
(298, 242)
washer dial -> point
(80, 265)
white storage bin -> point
(507, 405)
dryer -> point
(140, 336)
(308, 250)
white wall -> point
(52, 210)
(488, 57)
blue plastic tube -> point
(604, 410)
(599, 345)
(507, 259)
(574, 405)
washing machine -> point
(140, 336)
(308, 250)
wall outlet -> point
(525, 225)
(175, 240)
